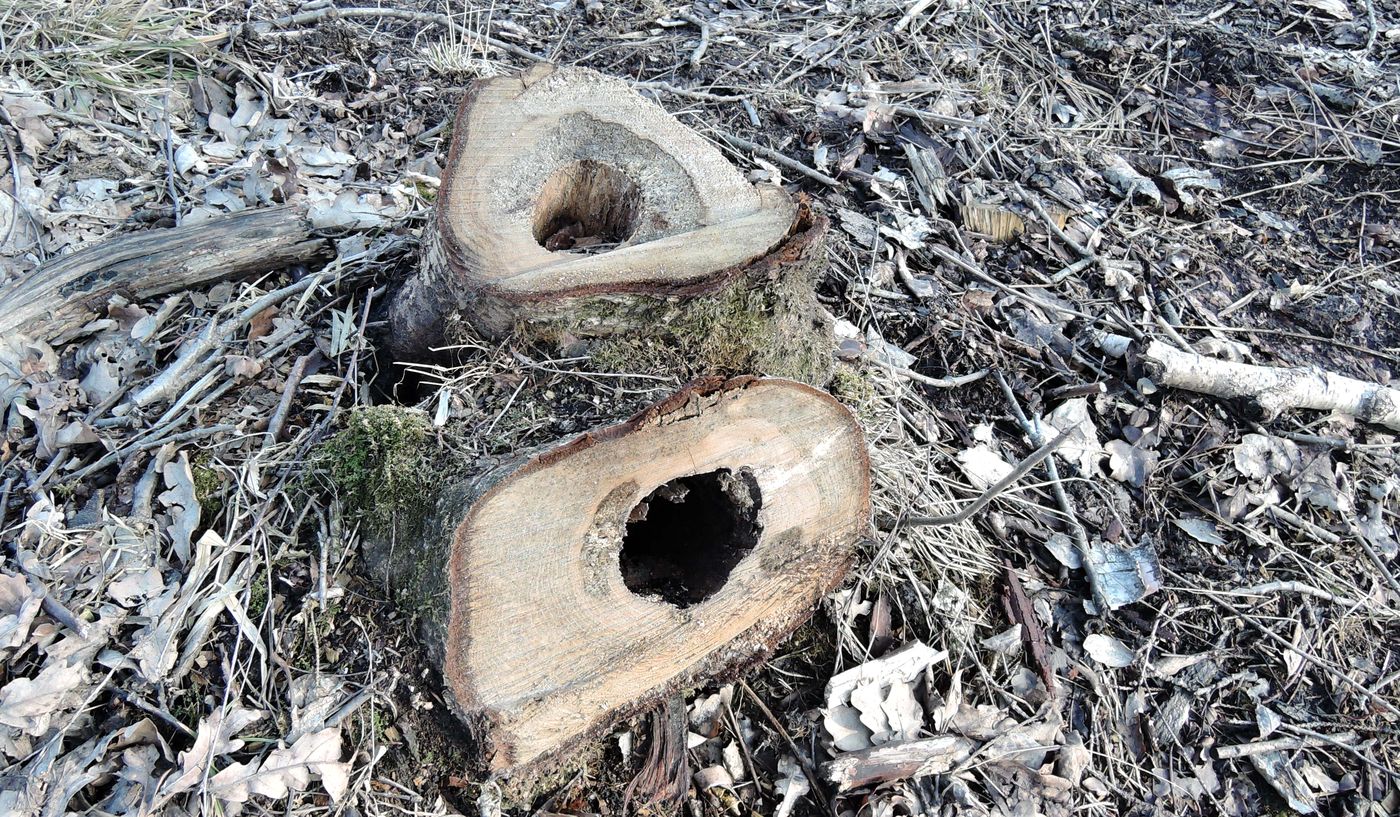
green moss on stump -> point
(403, 485)
(743, 330)
(378, 464)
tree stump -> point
(572, 207)
(582, 583)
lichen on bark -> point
(764, 321)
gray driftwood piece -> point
(898, 761)
(60, 297)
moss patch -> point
(850, 385)
(743, 330)
(208, 488)
(259, 594)
(378, 464)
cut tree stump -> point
(582, 583)
(61, 296)
(572, 207)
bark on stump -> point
(582, 583)
(572, 207)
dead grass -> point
(131, 47)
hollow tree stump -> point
(572, 207)
(580, 584)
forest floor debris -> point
(182, 628)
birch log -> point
(1274, 389)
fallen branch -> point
(289, 391)
(60, 297)
(1300, 588)
(1022, 468)
(1282, 745)
(667, 88)
(1274, 389)
(779, 158)
(699, 53)
(936, 382)
(195, 359)
(1035, 434)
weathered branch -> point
(60, 297)
(1273, 389)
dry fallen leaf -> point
(983, 466)
(847, 732)
(287, 770)
(1128, 182)
(30, 704)
(1083, 448)
(1318, 485)
(902, 712)
(1072, 759)
(874, 703)
(1259, 456)
(1284, 777)
(1202, 530)
(214, 738)
(182, 503)
(136, 586)
(1064, 550)
(1108, 650)
(19, 604)
(1129, 463)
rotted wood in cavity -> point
(581, 583)
(572, 207)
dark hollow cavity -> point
(586, 207)
(685, 538)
